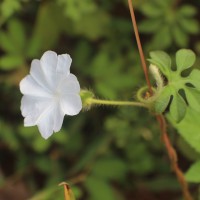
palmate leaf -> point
(193, 174)
(13, 43)
(180, 37)
(176, 24)
(184, 59)
(187, 10)
(189, 128)
(179, 91)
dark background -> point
(106, 153)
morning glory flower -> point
(50, 92)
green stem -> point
(117, 103)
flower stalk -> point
(88, 100)
(117, 103)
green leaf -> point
(28, 133)
(92, 27)
(89, 154)
(17, 34)
(49, 193)
(185, 58)
(10, 62)
(138, 164)
(189, 25)
(8, 7)
(8, 137)
(162, 38)
(6, 44)
(49, 14)
(180, 37)
(160, 183)
(104, 85)
(189, 128)
(150, 25)
(177, 108)
(76, 9)
(40, 145)
(186, 150)
(109, 168)
(163, 4)
(99, 189)
(187, 10)
(162, 101)
(161, 60)
(43, 164)
(194, 78)
(193, 97)
(193, 174)
(13, 41)
(150, 10)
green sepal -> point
(86, 96)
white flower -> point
(50, 92)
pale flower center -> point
(57, 95)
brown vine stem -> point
(137, 36)
(173, 158)
(160, 118)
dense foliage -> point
(106, 153)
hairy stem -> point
(173, 158)
(142, 57)
(117, 103)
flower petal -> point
(58, 118)
(71, 104)
(42, 112)
(46, 123)
(32, 108)
(51, 121)
(38, 74)
(49, 63)
(50, 92)
(29, 121)
(29, 86)
(31, 104)
(64, 63)
(69, 85)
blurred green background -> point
(106, 153)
